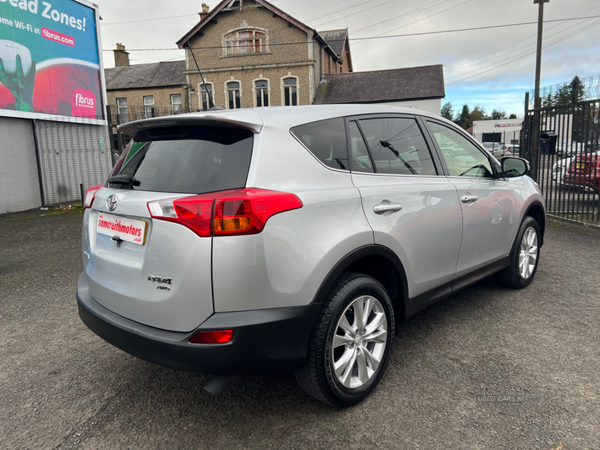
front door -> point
(488, 207)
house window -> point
(262, 92)
(122, 115)
(233, 95)
(245, 42)
(148, 106)
(290, 91)
(205, 90)
(175, 103)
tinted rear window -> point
(191, 160)
(326, 140)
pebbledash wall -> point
(19, 186)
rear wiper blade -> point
(124, 179)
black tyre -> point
(351, 342)
(524, 256)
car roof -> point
(276, 116)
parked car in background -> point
(497, 149)
(559, 169)
(512, 150)
(583, 171)
(576, 148)
(243, 241)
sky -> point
(489, 67)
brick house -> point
(144, 90)
(339, 43)
(253, 54)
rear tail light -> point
(193, 212)
(212, 337)
(243, 211)
(90, 194)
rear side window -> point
(191, 160)
(326, 140)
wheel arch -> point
(536, 210)
(378, 262)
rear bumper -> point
(263, 340)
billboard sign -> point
(49, 59)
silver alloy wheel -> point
(359, 342)
(529, 253)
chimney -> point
(205, 11)
(121, 56)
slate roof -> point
(383, 85)
(336, 39)
(161, 74)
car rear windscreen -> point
(191, 160)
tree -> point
(498, 115)
(463, 119)
(478, 113)
(447, 112)
(549, 100)
(575, 90)
(513, 116)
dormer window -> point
(245, 42)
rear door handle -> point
(385, 207)
(469, 198)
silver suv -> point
(233, 242)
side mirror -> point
(514, 167)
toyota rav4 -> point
(232, 242)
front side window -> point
(290, 91)
(262, 92)
(397, 146)
(326, 140)
(245, 42)
(148, 106)
(205, 90)
(176, 104)
(122, 113)
(233, 95)
(462, 157)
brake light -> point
(194, 212)
(235, 212)
(90, 195)
(247, 212)
(212, 337)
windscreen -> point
(191, 160)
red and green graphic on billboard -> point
(49, 58)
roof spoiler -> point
(249, 120)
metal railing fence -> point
(568, 158)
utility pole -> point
(537, 100)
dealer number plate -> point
(124, 228)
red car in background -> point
(584, 172)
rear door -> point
(153, 271)
(411, 209)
